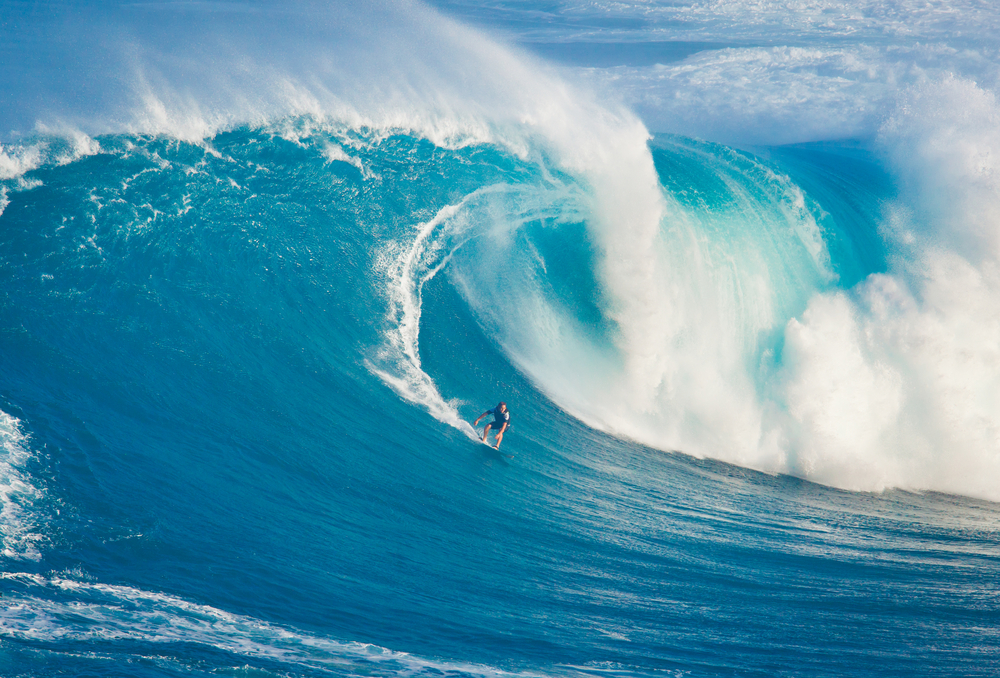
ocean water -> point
(734, 266)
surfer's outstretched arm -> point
(476, 422)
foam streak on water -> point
(408, 268)
(19, 515)
(97, 615)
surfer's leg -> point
(485, 431)
(499, 438)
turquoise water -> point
(752, 382)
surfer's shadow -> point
(491, 454)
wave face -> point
(249, 311)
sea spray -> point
(897, 383)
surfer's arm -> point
(476, 422)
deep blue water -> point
(236, 368)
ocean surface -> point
(733, 265)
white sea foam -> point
(17, 160)
(54, 147)
(334, 153)
(19, 529)
(59, 609)
(899, 382)
(79, 144)
(407, 267)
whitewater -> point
(734, 266)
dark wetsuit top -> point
(499, 418)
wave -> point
(263, 263)
(716, 326)
(725, 330)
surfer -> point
(500, 423)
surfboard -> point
(484, 442)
